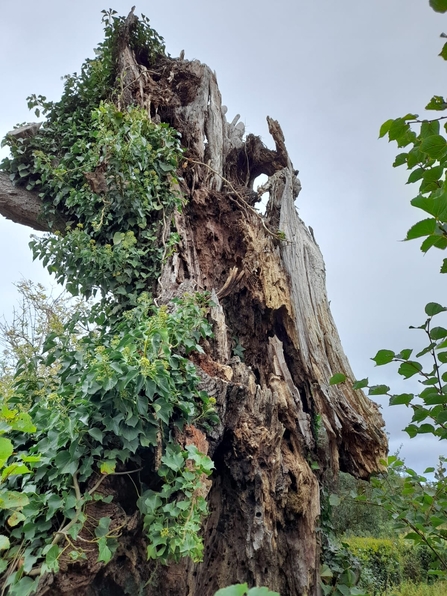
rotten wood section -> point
(279, 415)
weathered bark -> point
(23, 207)
(278, 412)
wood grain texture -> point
(278, 413)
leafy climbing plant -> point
(112, 390)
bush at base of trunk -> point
(386, 563)
(380, 562)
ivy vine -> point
(112, 390)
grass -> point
(410, 589)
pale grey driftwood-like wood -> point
(23, 207)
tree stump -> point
(283, 429)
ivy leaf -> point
(65, 462)
(23, 423)
(174, 461)
(102, 529)
(25, 586)
(52, 558)
(263, 591)
(337, 379)
(334, 500)
(105, 554)
(4, 542)
(344, 589)
(96, 433)
(15, 519)
(6, 450)
(16, 469)
(326, 572)
(12, 499)
(54, 502)
(107, 467)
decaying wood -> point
(23, 207)
(278, 412)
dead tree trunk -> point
(279, 415)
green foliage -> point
(427, 160)
(337, 378)
(238, 349)
(429, 405)
(350, 516)
(109, 172)
(412, 589)
(120, 392)
(380, 562)
(438, 5)
(22, 339)
(419, 508)
(243, 590)
(414, 502)
(387, 563)
(173, 524)
(116, 183)
(110, 389)
(340, 570)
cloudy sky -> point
(331, 73)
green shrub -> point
(411, 589)
(385, 563)
(380, 563)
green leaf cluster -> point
(116, 182)
(430, 404)
(110, 391)
(108, 171)
(172, 517)
(121, 391)
(426, 157)
(418, 507)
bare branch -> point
(23, 207)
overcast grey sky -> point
(331, 73)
